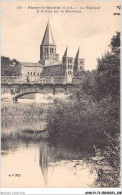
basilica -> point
(49, 65)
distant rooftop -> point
(32, 64)
(56, 63)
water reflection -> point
(37, 163)
(43, 162)
(49, 166)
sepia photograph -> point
(60, 94)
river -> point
(28, 161)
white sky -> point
(22, 30)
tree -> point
(86, 83)
(115, 43)
(108, 68)
(10, 67)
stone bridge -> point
(19, 90)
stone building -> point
(49, 67)
(30, 70)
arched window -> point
(81, 62)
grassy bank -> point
(22, 111)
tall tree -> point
(108, 68)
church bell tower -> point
(48, 47)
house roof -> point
(31, 64)
(56, 63)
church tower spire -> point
(78, 62)
(77, 55)
(48, 37)
(65, 53)
(48, 47)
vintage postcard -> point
(60, 95)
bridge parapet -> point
(33, 80)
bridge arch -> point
(15, 98)
(42, 89)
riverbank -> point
(82, 125)
(92, 125)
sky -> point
(91, 28)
